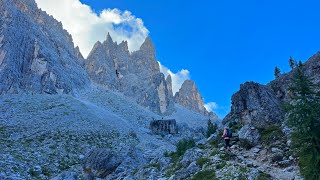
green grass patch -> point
(214, 152)
(205, 175)
(225, 156)
(202, 161)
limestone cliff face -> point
(259, 105)
(36, 53)
(189, 96)
(135, 74)
(255, 104)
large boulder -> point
(164, 126)
(249, 136)
(191, 155)
(99, 163)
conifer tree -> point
(292, 63)
(212, 128)
(303, 116)
(277, 72)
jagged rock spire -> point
(189, 96)
(147, 45)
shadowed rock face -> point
(36, 53)
(137, 75)
(260, 105)
(164, 126)
(255, 104)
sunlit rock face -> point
(135, 74)
(36, 54)
(190, 97)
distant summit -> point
(137, 75)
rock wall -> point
(36, 54)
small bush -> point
(182, 146)
(201, 146)
(245, 144)
(263, 176)
(221, 165)
(212, 128)
(225, 156)
(235, 126)
(271, 134)
(205, 175)
(202, 161)
(216, 141)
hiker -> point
(227, 134)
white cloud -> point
(211, 106)
(177, 78)
(87, 27)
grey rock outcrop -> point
(137, 75)
(164, 126)
(36, 54)
(255, 104)
(260, 104)
(249, 136)
(189, 96)
(99, 163)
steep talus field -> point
(55, 131)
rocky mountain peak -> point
(147, 45)
(189, 96)
(124, 46)
(169, 83)
(137, 75)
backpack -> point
(229, 133)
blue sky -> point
(226, 43)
